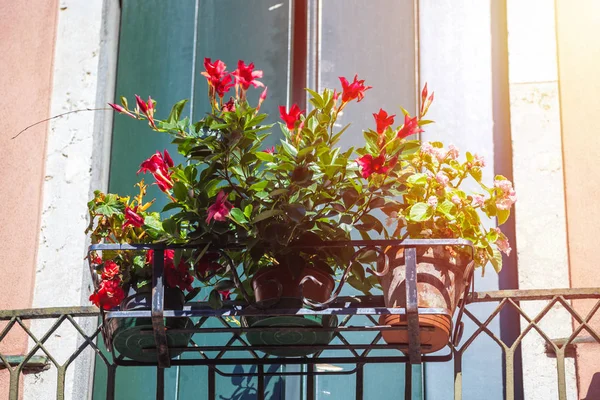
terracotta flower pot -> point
(277, 286)
(127, 336)
(441, 281)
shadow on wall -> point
(593, 391)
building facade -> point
(514, 81)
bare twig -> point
(60, 115)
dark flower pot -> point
(130, 336)
(440, 283)
(276, 285)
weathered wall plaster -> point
(538, 179)
(27, 46)
(578, 27)
(76, 164)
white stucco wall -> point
(541, 230)
(77, 162)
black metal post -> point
(160, 383)
(359, 381)
(260, 395)
(110, 382)
(310, 382)
(158, 296)
(412, 307)
(211, 383)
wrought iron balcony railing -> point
(545, 303)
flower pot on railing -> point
(276, 286)
(133, 337)
(441, 281)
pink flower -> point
(389, 221)
(478, 200)
(147, 108)
(175, 276)
(383, 120)
(246, 76)
(410, 127)
(292, 117)
(369, 165)
(442, 178)
(354, 90)
(132, 218)
(456, 200)
(158, 165)
(502, 242)
(121, 110)
(427, 148)
(478, 161)
(452, 152)
(441, 154)
(270, 150)
(220, 208)
(508, 196)
(432, 201)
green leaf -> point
(192, 293)
(295, 212)
(502, 216)
(238, 216)
(349, 196)
(267, 214)
(259, 186)
(289, 149)
(175, 114)
(264, 156)
(170, 226)
(180, 191)
(214, 300)
(225, 284)
(420, 212)
(496, 260)
(448, 209)
(417, 179)
(248, 210)
(476, 173)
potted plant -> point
(123, 278)
(434, 204)
(281, 203)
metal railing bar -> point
(534, 294)
(50, 312)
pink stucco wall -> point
(27, 36)
(578, 27)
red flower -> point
(229, 106)
(226, 294)
(262, 98)
(207, 266)
(354, 90)
(369, 165)
(383, 120)
(97, 260)
(158, 165)
(147, 108)
(110, 270)
(410, 127)
(121, 110)
(109, 294)
(220, 209)
(219, 81)
(133, 218)
(270, 150)
(291, 117)
(246, 76)
(425, 102)
(175, 277)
